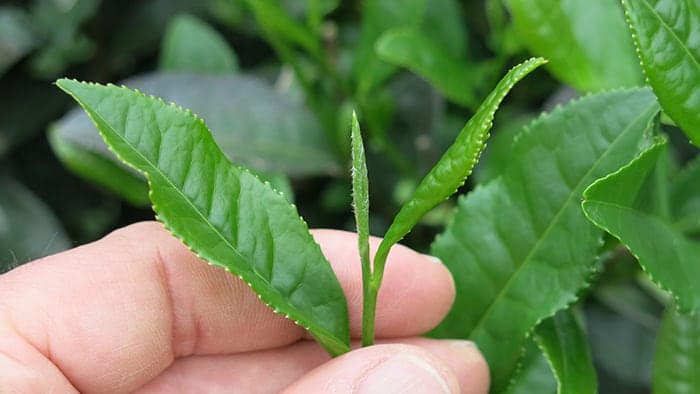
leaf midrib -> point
(549, 228)
(308, 322)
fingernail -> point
(462, 347)
(407, 373)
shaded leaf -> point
(525, 229)
(677, 357)
(28, 229)
(585, 41)
(443, 23)
(534, 374)
(275, 21)
(379, 16)
(223, 213)
(667, 35)
(190, 45)
(451, 74)
(685, 198)
(618, 204)
(565, 345)
(16, 36)
(254, 126)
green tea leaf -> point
(190, 45)
(525, 229)
(254, 125)
(223, 213)
(101, 170)
(668, 43)
(685, 198)
(275, 21)
(360, 197)
(379, 16)
(585, 41)
(16, 36)
(564, 343)
(28, 229)
(454, 166)
(618, 204)
(443, 24)
(534, 374)
(451, 74)
(677, 358)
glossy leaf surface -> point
(447, 72)
(190, 45)
(677, 357)
(525, 229)
(252, 124)
(586, 41)
(457, 162)
(618, 204)
(223, 213)
(667, 34)
(564, 343)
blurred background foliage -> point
(277, 80)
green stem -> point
(370, 291)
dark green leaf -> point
(564, 343)
(191, 45)
(677, 358)
(534, 374)
(685, 197)
(666, 35)
(223, 213)
(525, 230)
(619, 204)
(446, 71)
(28, 229)
(443, 23)
(379, 16)
(16, 36)
(585, 41)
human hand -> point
(137, 311)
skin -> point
(137, 311)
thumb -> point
(392, 368)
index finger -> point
(113, 314)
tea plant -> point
(574, 247)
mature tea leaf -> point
(275, 21)
(455, 165)
(443, 23)
(585, 40)
(253, 125)
(534, 374)
(28, 229)
(564, 343)
(618, 204)
(449, 73)
(525, 230)
(677, 358)
(667, 35)
(223, 213)
(379, 16)
(190, 45)
(685, 198)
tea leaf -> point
(190, 45)
(454, 166)
(277, 23)
(360, 197)
(685, 198)
(564, 343)
(522, 239)
(534, 374)
(448, 73)
(668, 43)
(585, 40)
(28, 228)
(618, 204)
(254, 125)
(223, 213)
(677, 358)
